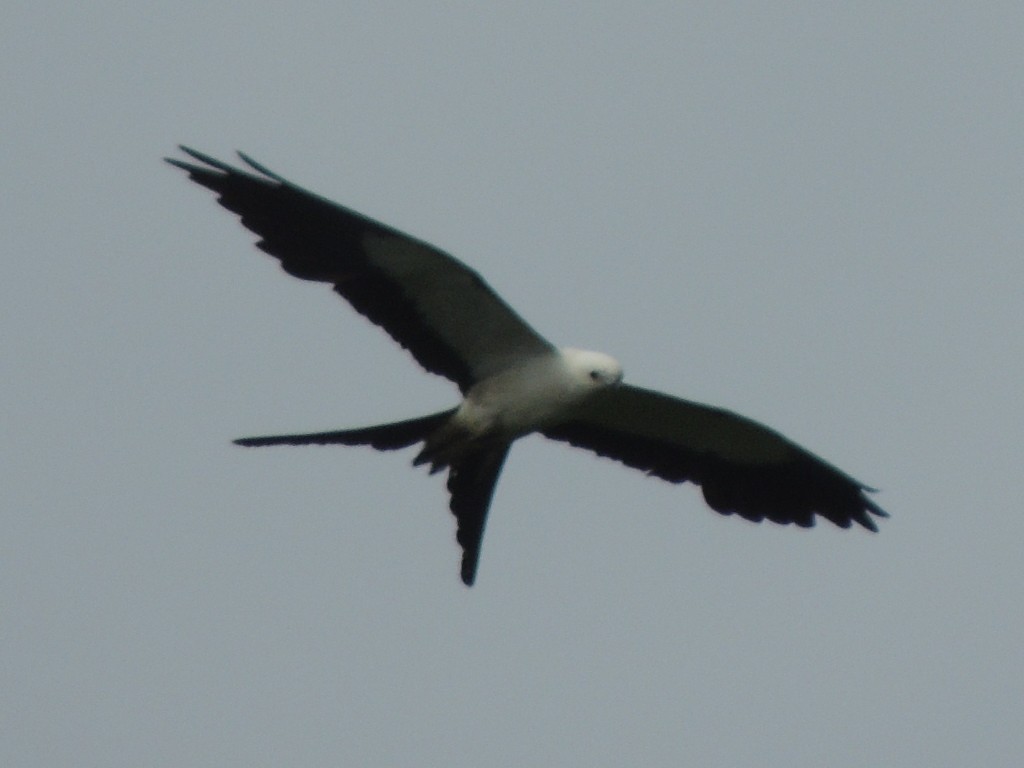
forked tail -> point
(384, 437)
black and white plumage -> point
(513, 381)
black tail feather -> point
(384, 437)
(471, 482)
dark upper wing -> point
(433, 305)
(742, 467)
(471, 482)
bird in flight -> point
(513, 381)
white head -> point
(595, 370)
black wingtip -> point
(178, 163)
(196, 172)
(211, 164)
(260, 167)
(877, 509)
(867, 522)
(202, 157)
(866, 512)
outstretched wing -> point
(471, 482)
(742, 467)
(448, 318)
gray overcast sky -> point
(807, 213)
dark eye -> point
(595, 375)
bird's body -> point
(525, 397)
(513, 381)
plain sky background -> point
(806, 212)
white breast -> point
(526, 397)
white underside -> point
(535, 393)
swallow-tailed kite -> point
(513, 381)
